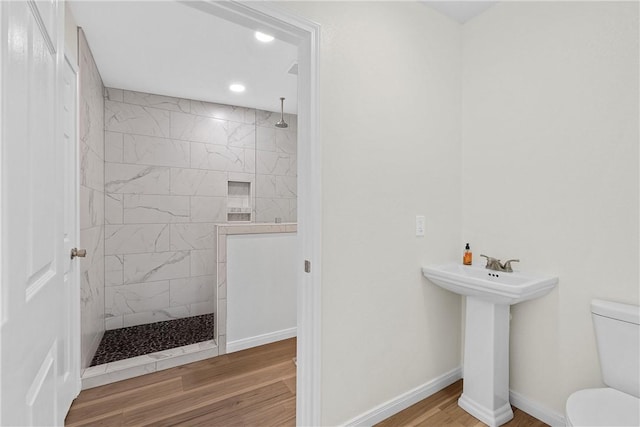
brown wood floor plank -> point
(117, 402)
(441, 409)
(439, 418)
(113, 420)
(461, 417)
(215, 391)
(241, 362)
(277, 414)
(415, 412)
(451, 400)
(98, 405)
(522, 419)
(224, 411)
(291, 383)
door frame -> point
(286, 26)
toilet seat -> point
(602, 407)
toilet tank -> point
(617, 328)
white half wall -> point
(261, 289)
(550, 173)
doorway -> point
(305, 36)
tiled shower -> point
(157, 174)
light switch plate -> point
(420, 225)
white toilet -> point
(617, 328)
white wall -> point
(550, 172)
(390, 138)
(261, 288)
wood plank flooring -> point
(442, 409)
(255, 387)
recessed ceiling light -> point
(237, 87)
(264, 38)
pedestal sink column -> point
(486, 362)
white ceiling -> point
(169, 48)
(460, 11)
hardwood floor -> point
(255, 387)
(442, 409)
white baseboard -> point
(395, 405)
(536, 410)
(245, 343)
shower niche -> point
(239, 207)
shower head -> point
(282, 124)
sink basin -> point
(497, 287)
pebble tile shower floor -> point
(124, 343)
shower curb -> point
(108, 373)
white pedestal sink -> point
(489, 295)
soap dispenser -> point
(467, 258)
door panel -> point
(41, 395)
(41, 143)
(36, 348)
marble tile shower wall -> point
(168, 161)
(91, 146)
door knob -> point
(75, 252)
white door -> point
(38, 379)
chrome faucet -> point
(496, 265)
